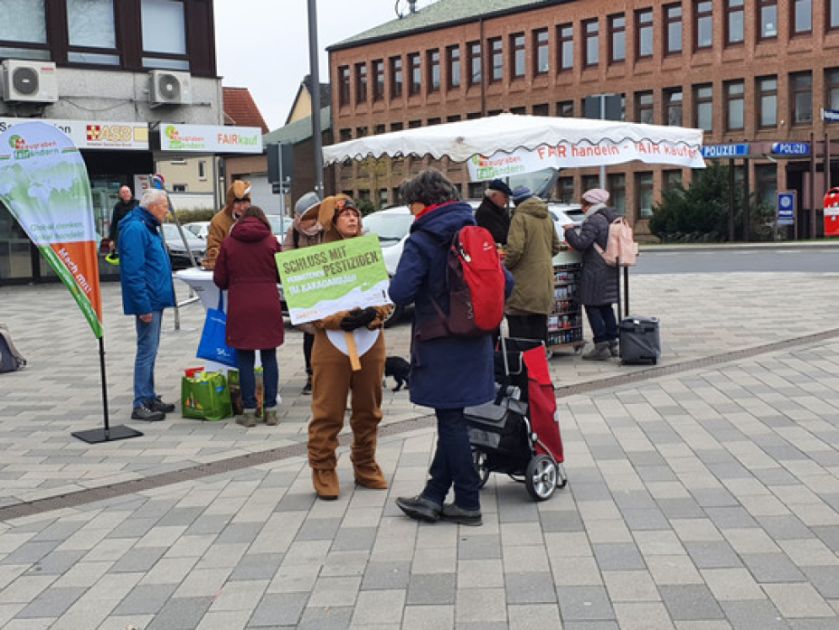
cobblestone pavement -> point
(703, 500)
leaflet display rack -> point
(565, 323)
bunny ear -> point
(327, 212)
(248, 190)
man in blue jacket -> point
(146, 277)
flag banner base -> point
(97, 436)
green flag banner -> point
(324, 279)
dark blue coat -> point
(447, 372)
(144, 267)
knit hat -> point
(596, 195)
(521, 193)
(307, 202)
(329, 210)
(500, 186)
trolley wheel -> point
(479, 460)
(541, 477)
(562, 476)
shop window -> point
(517, 57)
(644, 112)
(433, 70)
(734, 105)
(703, 24)
(768, 19)
(415, 65)
(766, 183)
(164, 34)
(541, 110)
(644, 30)
(453, 63)
(565, 46)
(672, 178)
(833, 14)
(617, 38)
(474, 49)
(591, 33)
(831, 83)
(644, 194)
(703, 107)
(542, 54)
(565, 189)
(378, 80)
(673, 26)
(496, 57)
(344, 85)
(673, 107)
(396, 77)
(802, 16)
(767, 101)
(91, 32)
(360, 83)
(616, 184)
(801, 97)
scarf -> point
(594, 208)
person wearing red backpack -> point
(598, 286)
(448, 372)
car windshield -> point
(389, 227)
(170, 233)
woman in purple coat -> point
(247, 269)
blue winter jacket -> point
(145, 270)
(447, 372)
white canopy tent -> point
(510, 144)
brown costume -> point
(223, 221)
(333, 379)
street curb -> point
(713, 247)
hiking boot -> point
(614, 349)
(451, 512)
(370, 476)
(307, 388)
(420, 508)
(600, 352)
(147, 415)
(270, 417)
(247, 419)
(325, 483)
(158, 405)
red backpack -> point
(476, 287)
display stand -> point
(565, 323)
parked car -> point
(279, 225)
(199, 228)
(177, 251)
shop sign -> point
(711, 151)
(830, 115)
(94, 134)
(791, 148)
(210, 138)
(786, 208)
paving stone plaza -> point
(702, 495)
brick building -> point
(748, 72)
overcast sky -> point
(263, 44)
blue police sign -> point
(794, 149)
(786, 208)
(711, 151)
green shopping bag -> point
(205, 396)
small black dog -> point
(400, 370)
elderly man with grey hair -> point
(146, 278)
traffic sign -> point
(786, 208)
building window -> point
(453, 118)
(644, 107)
(588, 182)
(541, 110)
(475, 190)
(565, 46)
(360, 83)
(644, 30)
(496, 56)
(164, 34)
(91, 32)
(474, 63)
(202, 169)
(735, 108)
(345, 134)
(378, 80)
(542, 52)
(413, 124)
(673, 26)
(801, 89)
(767, 103)
(378, 129)
(565, 189)
(433, 70)
(396, 126)
(517, 59)
(565, 109)
(672, 179)
(766, 183)
(395, 77)
(414, 63)
(361, 132)
(703, 107)
(768, 16)
(734, 22)
(179, 188)
(831, 84)
(703, 27)
(802, 16)
(518, 110)
(616, 182)
(617, 38)
(344, 85)
(592, 43)
(644, 194)
(23, 29)
(453, 65)
(833, 14)
(673, 107)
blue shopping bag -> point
(213, 345)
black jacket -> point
(494, 219)
(121, 210)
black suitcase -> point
(640, 340)
(498, 428)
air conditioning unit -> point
(30, 81)
(170, 88)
